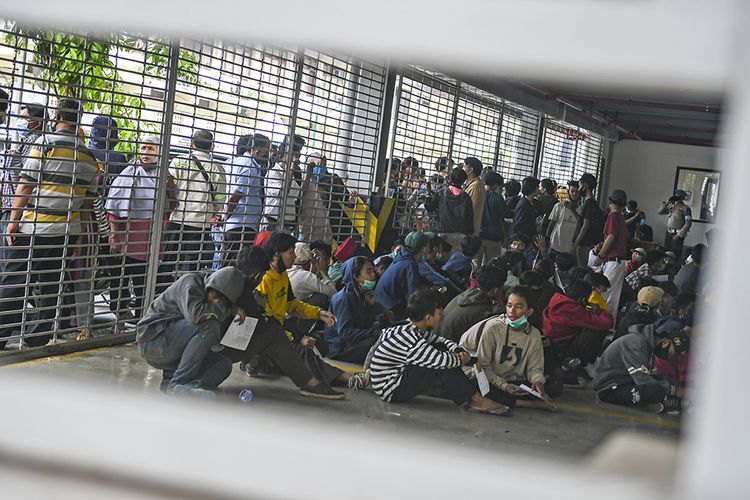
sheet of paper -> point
(484, 383)
(238, 336)
(530, 390)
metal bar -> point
(161, 190)
(540, 137)
(386, 116)
(496, 154)
(394, 125)
(454, 117)
(29, 353)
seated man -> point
(512, 262)
(430, 271)
(599, 287)
(474, 304)
(649, 298)
(402, 278)
(359, 318)
(182, 325)
(309, 276)
(411, 360)
(688, 277)
(576, 331)
(541, 292)
(459, 265)
(510, 352)
(624, 372)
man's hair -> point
(545, 267)
(203, 140)
(398, 241)
(632, 205)
(548, 185)
(470, 245)
(69, 110)
(322, 246)
(512, 188)
(531, 278)
(508, 261)
(458, 177)
(697, 253)
(525, 292)
(358, 263)
(421, 303)
(475, 165)
(489, 277)
(589, 180)
(597, 279)
(249, 142)
(653, 256)
(35, 111)
(520, 237)
(297, 144)
(410, 162)
(4, 100)
(251, 258)
(278, 242)
(530, 184)
(572, 183)
(669, 288)
(492, 179)
(565, 261)
(578, 273)
(578, 290)
(442, 163)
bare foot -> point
(85, 334)
(537, 405)
(480, 404)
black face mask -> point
(281, 265)
(661, 352)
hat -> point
(650, 296)
(618, 197)
(416, 239)
(640, 250)
(680, 193)
(302, 253)
(261, 237)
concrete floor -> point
(571, 434)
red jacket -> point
(565, 317)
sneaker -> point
(671, 405)
(570, 364)
(572, 380)
(360, 380)
(190, 390)
(250, 369)
(320, 391)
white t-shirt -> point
(564, 227)
(275, 178)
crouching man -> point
(180, 327)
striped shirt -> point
(403, 345)
(13, 165)
(64, 174)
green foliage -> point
(85, 67)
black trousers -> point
(630, 394)
(42, 257)
(674, 245)
(450, 384)
(586, 346)
(189, 248)
(234, 241)
(119, 292)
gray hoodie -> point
(186, 299)
(629, 359)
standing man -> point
(201, 188)
(245, 202)
(563, 221)
(613, 253)
(524, 217)
(475, 189)
(492, 231)
(588, 233)
(678, 223)
(51, 212)
(283, 187)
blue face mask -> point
(22, 128)
(319, 171)
(517, 323)
(369, 284)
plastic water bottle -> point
(246, 395)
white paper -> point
(530, 390)
(238, 336)
(484, 383)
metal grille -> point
(517, 142)
(477, 126)
(569, 151)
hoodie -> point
(629, 359)
(565, 317)
(355, 318)
(186, 299)
(104, 138)
(455, 210)
(464, 311)
(459, 268)
(398, 282)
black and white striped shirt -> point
(404, 345)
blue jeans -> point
(183, 351)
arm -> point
(485, 355)
(232, 204)
(302, 310)
(423, 354)
(535, 363)
(688, 222)
(640, 373)
(553, 216)
(664, 209)
(601, 320)
(326, 286)
(193, 305)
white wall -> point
(646, 171)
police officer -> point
(678, 222)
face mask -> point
(22, 128)
(661, 352)
(518, 322)
(318, 171)
(369, 284)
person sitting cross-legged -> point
(510, 353)
(410, 360)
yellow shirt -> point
(596, 298)
(280, 300)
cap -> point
(640, 250)
(302, 253)
(618, 197)
(680, 193)
(416, 239)
(650, 296)
(261, 237)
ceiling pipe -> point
(708, 108)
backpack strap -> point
(205, 176)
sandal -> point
(501, 411)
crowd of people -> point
(493, 294)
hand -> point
(478, 366)
(242, 315)
(307, 341)
(320, 264)
(539, 387)
(12, 227)
(676, 237)
(465, 357)
(598, 261)
(595, 308)
(514, 390)
(540, 242)
(327, 318)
